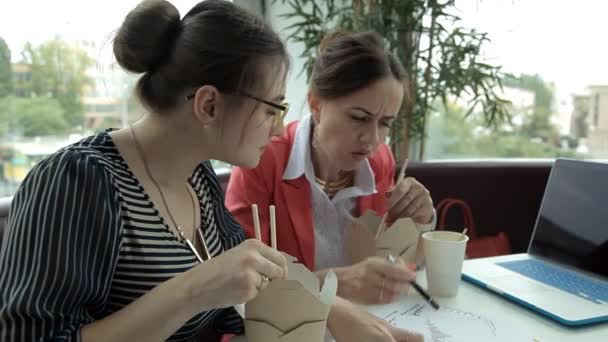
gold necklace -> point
(182, 237)
(332, 188)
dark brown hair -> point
(348, 62)
(216, 43)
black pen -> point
(392, 260)
(425, 294)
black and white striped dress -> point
(84, 240)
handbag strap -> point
(444, 206)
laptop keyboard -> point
(565, 280)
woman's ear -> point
(206, 104)
(315, 106)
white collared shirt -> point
(330, 216)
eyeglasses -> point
(278, 117)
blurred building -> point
(596, 119)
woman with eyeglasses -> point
(123, 236)
(334, 165)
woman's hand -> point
(236, 276)
(348, 323)
(374, 280)
(410, 199)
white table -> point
(474, 299)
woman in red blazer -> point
(333, 165)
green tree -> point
(32, 117)
(452, 137)
(538, 124)
(451, 133)
(5, 117)
(59, 71)
(6, 74)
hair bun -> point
(330, 38)
(147, 35)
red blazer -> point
(264, 185)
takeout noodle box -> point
(400, 239)
(291, 310)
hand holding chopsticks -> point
(382, 224)
(273, 224)
(409, 198)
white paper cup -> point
(444, 253)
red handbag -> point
(477, 247)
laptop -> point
(564, 274)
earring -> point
(206, 125)
(315, 137)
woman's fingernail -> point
(412, 266)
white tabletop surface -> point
(474, 299)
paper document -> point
(446, 324)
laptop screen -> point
(572, 226)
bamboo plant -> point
(443, 60)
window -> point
(36, 114)
(560, 88)
(551, 49)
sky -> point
(39, 20)
(563, 41)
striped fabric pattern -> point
(84, 240)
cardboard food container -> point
(400, 239)
(291, 310)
